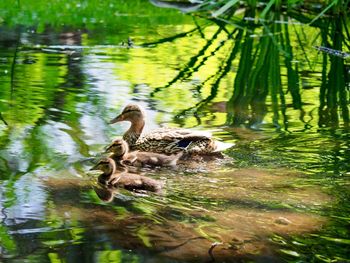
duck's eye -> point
(129, 110)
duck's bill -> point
(94, 168)
(108, 148)
(93, 173)
(116, 119)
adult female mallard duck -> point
(120, 153)
(164, 140)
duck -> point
(164, 140)
(120, 153)
(113, 177)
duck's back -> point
(173, 140)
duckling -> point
(120, 152)
(129, 181)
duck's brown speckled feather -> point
(163, 140)
(173, 140)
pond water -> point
(280, 194)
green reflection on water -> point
(262, 86)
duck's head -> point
(132, 112)
(106, 165)
(119, 147)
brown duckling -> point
(130, 181)
(120, 152)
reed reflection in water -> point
(275, 79)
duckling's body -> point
(129, 181)
(164, 140)
(120, 152)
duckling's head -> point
(119, 147)
(106, 165)
(132, 112)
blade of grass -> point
(224, 8)
(322, 13)
(292, 74)
(301, 45)
(258, 81)
(2, 119)
(274, 41)
(275, 81)
(267, 8)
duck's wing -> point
(169, 140)
(169, 134)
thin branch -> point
(14, 64)
(169, 39)
(198, 27)
(3, 120)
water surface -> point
(281, 193)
